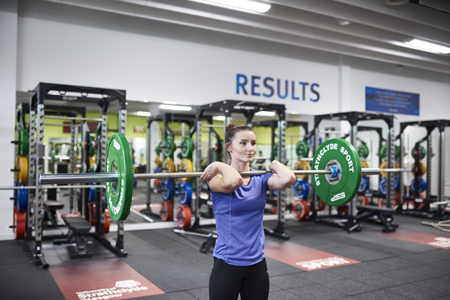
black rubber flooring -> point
(388, 268)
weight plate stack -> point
(120, 193)
(339, 154)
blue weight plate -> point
(158, 170)
(301, 189)
(185, 193)
(422, 185)
(92, 193)
(167, 190)
(364, 184)
(23, 200)
(383, 182)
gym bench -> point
(383, 216)
(78, 231)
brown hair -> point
(230, 133)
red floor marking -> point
(418, 238)
(101, 279)
(305, 258)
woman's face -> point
(243, 146)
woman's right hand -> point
(227, 181)
(210, 171)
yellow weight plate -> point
(92, 163)
(168, 166)
(384, 165)
(23, 166)
(17, 167)
(186, 166)
(422, 169)
(157, 161)
(135, 169)
(364, 164)
(302, 165)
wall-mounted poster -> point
(389, 101)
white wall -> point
(8, 50)
(166, 62)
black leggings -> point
(227, 281)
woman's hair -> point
(230, 134)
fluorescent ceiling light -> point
(253, 6)
(144, 113)
(175, 107)
(265, 113)
(219, 118)
(427, 46)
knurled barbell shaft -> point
(111, 177)
(77, 178)
(30, 187)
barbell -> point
(336, 170)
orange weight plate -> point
(183, 216)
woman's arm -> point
(227, 181)
(282, 178)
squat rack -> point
(351, 221)
(430, 126)
(73, 94)
(248, 109)
(165, 118)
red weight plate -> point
(183, 216)
(362, 200)
(107, 221)
(166, 212)
(322, 205)
(300, 209)
(20, 226)
(273, 209)
(157, 183)
(91, 214)
(342, 209)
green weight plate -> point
(383, 152)
(422, 152)
(168, 147)
(91, 145)
(343, 188)
(187, 147)
(158, 150)
(23, 147)
(118, 160)
(275, 150)
(53, 156)
(302, 149)
(363, 151)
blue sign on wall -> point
(392, 101)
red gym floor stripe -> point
(418, 238)
(101, 279)
(305, 258)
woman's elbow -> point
(290, 180)
(234, 184)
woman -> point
(239, 202)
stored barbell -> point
(336, 170)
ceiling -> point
(376, 31)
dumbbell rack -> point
(351, 220)
(439, 200)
